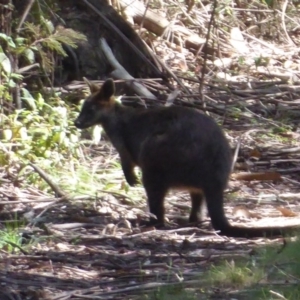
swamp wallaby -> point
(175, 147)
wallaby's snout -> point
(85, 121)
(80, 124)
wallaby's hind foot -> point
(156, 193)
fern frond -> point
(46, 61)
(55, 45)
(68, 36)
(35, 30)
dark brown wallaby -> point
(176, 148)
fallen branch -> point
(58, 192)
(120, 72)
(159, 25)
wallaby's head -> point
(97, 105)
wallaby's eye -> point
(90, 110)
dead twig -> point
(57, 190)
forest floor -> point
(90, 248)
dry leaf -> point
(255, 153)
(223, 62)
(237, 41)
(182, 65)
(242, 211)
(274, 176)
(290, 134)
(286, 212)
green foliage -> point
(45, 134)
(8, 77)
(39, 38)
(286, 260)
(42, 39)
(46, 130)
(230, 274)
(269, 3)
(271, 272)
(38, 42)
(171, 292)
(43, 128)
(10, 238)
(261, 61)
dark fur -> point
(176, 148)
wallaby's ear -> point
(107, 89)
(93, 87)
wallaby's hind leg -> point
(198, 207)
(215, 206)
(156, 192)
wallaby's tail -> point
(233, 231)
(214, 200)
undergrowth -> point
(271, 273)
(11, 237)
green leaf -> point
(42, 133)
(47, 153)
(66, 141)
(7, 134)
(11, 83)
(40, 100)
(8, 39)
(23, 133)
(29, 54)
(20, 41)
(28, 98)
(16, 76)
(49, 26)
(5, 63)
